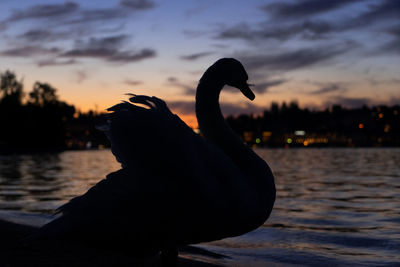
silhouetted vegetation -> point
(289, 125)
(40, 121)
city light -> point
(299, 132)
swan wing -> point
(141, 135)
(171, 180)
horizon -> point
(345, 52)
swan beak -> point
(245, 89)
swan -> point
(175, 187)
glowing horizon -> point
(312, 52)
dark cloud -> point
(96, 15)
(55, 62)
(172, 79)
(239, 31)
(294, 59)
(43, 36)
(259, 87)
(386, 9)
(240, 108)
(264, 86)
(108, 48)
(303, 8)
(196, 56)
(188, 108)
(348, 102)
(110, 42)
(329, 88)
(132, 82)
(3, 26)
(111, 54)
(137, 4)
(28, 51)
(71, 13)
(182, 107)
(193, 33)
(81, 76)
(126, 57)
(316, 29)
(45, 11)
(187, 89)
(394, 44)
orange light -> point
(361, 126)
(305, 143)
(380, 115)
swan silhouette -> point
(174, 187)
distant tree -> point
(11, 89)
(274, 108)
(43, 94)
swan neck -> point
(213, 125)
(254, 169)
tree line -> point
(39, 120)
(281, 125)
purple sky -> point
(317, 52)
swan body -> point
(174, 187)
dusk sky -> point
(316, 52)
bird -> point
(175, 187)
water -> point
(333, 207)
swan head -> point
(232, 73)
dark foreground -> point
(68, 254)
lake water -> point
(333, 206)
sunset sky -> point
(316, 52)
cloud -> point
(127, 57)
(108, 48)
(71, 13)
(394, 44)
(348, 102)
(95, 15)
(81, 76)
(187, 89)
(188, 108)
(329, 88)
(45, 11)
(296, 59)
(3, 26)
(132, 82)
(55, 62)
(28, 51)
(386, 9)
(110, 42)
(193, 33)
(137, 4)
(196, 56)
(39, 35)
(264, 86)
(303, 8)
(112, 55)
(308, 29)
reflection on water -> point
(333, 207)
(42, 182)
